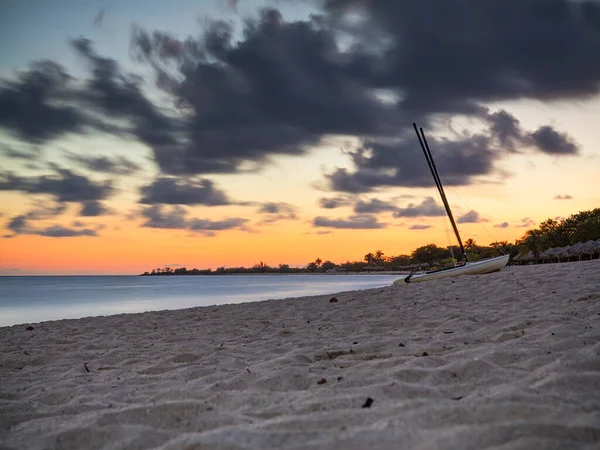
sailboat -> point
(464, 267)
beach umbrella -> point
(528, 257)
(563, 252)
(576, 250)
(548, 253)
(589, 248)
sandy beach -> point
(509, 360)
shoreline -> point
(508, 359)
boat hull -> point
(474, 268)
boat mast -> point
(438, 183)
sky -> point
(208, 133)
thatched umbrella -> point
(563, 252)
(528, 257)
(576, 250)
(589, 248)
(549, 253)
(596, 247)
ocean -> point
(42, 298)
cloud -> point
(400, 162)
(563, 197)
(27, 153)
(248, 108)
(216, 225)
(335, 202)
(427, 208)
(419, 227)
(99, 18)
(60, 231)
(550, 141)
(502, 225)
(118, 165)
(159, 216)
(490, 58)
(235, 101)
(26, 106)
(373, 206)
(471, 217)
(21, 225)
(526, 222)
(276, 211)
(65, 185)
(174, 191)
(353, 222)
(93, 208)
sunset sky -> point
(207, 133)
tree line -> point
(579, 227)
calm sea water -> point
(36, 299)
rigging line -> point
(495, 239)
(436, 176)
(446, 230)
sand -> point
(509, 360)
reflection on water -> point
(37, 299)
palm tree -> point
(369, 258)
(470, 244)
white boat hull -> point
(472, 268)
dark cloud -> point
(277, 91)
(492, 51)
(159, 216)
(118, 165)
(401, 162)
(59, 231)
(276, 211)
(65, 185)
(563, 197)
(427, 208)
(27, 104)
(174, 191)
(21, 225)
(99, 18)
(550, 141)
(502, 225)
(281, 86)
(335, 202)
(17, 224)
(419, 227)
(216, 225)
(526, 222)
(471, 217)
(363, 221)
(117, 95)
(93, 208)
(27, 153)
(505, 128)
(373, 206)
(40, 211)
